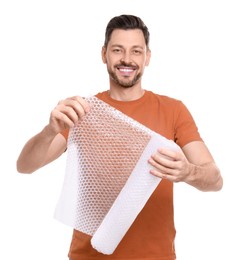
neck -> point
(126, 94)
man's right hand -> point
(67, 113)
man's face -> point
(126, 57)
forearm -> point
(34, 153)
(205, 177)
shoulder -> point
(164, 100)
(102, 95)
(161, 97)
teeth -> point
(126, 70)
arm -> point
(49, 144)
(193, 164)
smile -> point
(126, 70)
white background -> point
(50, 50)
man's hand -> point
(67, 113)
(193, 165)
(170, 165)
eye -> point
(137, 52)
(116, 50)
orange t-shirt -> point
(152, 235)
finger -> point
(162, 168)
(73, 107)
(162, 175)
(67, 111)
(85, 105)
(65, 119)
(158, 161)
(172, 155)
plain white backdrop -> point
(50, 50)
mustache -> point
(125, 64)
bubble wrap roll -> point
(130, 201)
(107, 180)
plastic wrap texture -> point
(107, 180)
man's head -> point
(126, 50)
(126, 22)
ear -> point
(104, 51)
(148, 56)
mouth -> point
(126, 70)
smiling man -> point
(126, 62)
(126, 53)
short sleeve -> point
(186, 130)
(65, 133)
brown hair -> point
(126, 22)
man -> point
(126, 53)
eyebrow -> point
(121, 46)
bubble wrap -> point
(107, 180)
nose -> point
(126, 58)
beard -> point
(124, 83)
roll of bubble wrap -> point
(107, 180)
